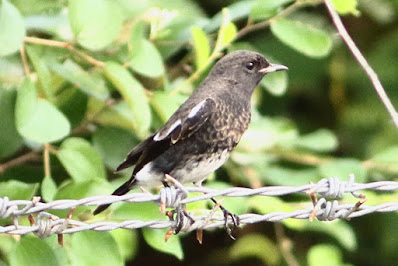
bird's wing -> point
(181, 125)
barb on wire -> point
(323, 209)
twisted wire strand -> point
(47, 224)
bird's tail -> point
(123, 189)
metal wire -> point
(47, 224)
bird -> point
(199, 137)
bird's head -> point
(244, 68)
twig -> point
(24, 61)
(285, 245)
(19, 160)
(252, 27)
(362, 61)
(47, 170)
(67, 46)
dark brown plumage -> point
(200, 135)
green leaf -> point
(134, 94)
(303, 38)
(127, 241)
(262, 10)
(12, 29)
(37, 119)
(17, 190)
(147, 61)
(81, 160)
(346, 7)
(321, 140)
(283, 176)
(145, 211)
(265, 205)
(113, 144)
(155, 239)
(95, 23)
(48, 188)
(32, 250)
(256, 246)
(137, 37)
(94, 248)
(229, 35)
(117, 115)
(76, 75)
(326, 254)
(36, 54)
(165, 104)
(389, 155)
(237, 10)
(78, 190)
(201, 47)
(338, 229)
(265, 133)
(276, 83)
(342, 168)
(10, 140)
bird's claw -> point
(180, 218)
(235, 222)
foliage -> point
(83, 81)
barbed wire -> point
(175, 196)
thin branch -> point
(47, 169)
(19, 160)
(285, 245)
(24, 61)
(362, 61)
(65, 45)
(253, 27)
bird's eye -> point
(250, 66)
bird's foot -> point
(181, 218)
(234, 218)
(235, 221)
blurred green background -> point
(83, 81)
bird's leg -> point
(180, 210)
(235, 218)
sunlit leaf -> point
(147, 61)
(17, 190)
(37, 119)
(48, 188)
(342, 168)
(329, 255)
(166, 104)
(201, 47)
(265, 9)
(134, 94)
(321, 140)
(31, 250)
(12, 29)
(155, 239)
(229, 33)
(94, 248)
(275, 83)
(95, 23)
(256, 246)
(303, 38)
(76, 75)
(345, 7)
(81, 160)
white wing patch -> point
(161, 134)
(196, 109)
